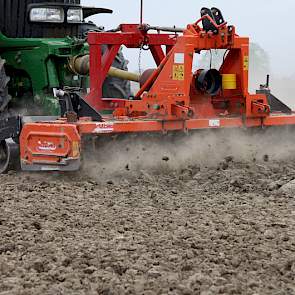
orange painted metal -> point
(170, 92)
(49, 143)
(168, 101)
(279, 120)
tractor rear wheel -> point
(115, 87)
(4, 96)
(9, 156)
(9, 150)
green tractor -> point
(38, 40)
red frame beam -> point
(130, 36)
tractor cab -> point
(46, 18)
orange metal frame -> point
(168, 101)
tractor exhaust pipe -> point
(80, 65)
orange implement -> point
(173, 98)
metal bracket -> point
(10, 127)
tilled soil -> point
(228, 229)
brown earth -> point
(180, 227)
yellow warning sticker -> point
(178, 72)
(246, 63)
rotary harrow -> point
(172, 97)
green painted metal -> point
(37, 66)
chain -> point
(140, 58)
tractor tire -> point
(115, 87)
(112, 87)
(9, 149)
(4, 96)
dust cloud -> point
(127, 156)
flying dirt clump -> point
(163, 228)
(214, 219)
(124, 156)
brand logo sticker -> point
(104, 127)
(46, 146)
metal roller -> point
(209, 81)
